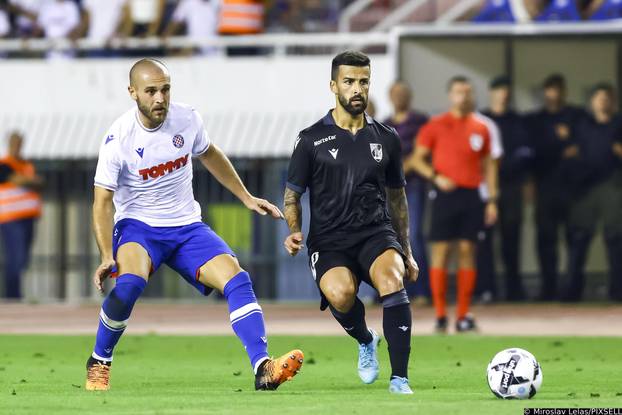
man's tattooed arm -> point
(293, 216)
(293, 210)
(398, 209)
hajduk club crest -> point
(178, 140)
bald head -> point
(147, 68)
(150, 85)
(15, 144)
(400, 96)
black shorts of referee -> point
(458, 214)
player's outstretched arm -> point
(103, 212)
(293, 216)
(219, 165)
(398, 209)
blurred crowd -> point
(103, 21)
(523, 11)
(565, 159)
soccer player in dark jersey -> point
(352, 166)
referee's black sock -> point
(353, 322)
(397, 325)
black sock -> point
(397, 326)
(353, 322)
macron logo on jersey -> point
(163, 168)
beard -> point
(355, 107)
(150, 115)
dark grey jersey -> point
(346, 176)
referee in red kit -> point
(458, 143)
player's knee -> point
(389, 283)
(466, 248)
(341, 297)
(132, 258)
(218, 271)
(140, 269)
(439, 256)
(231, 270)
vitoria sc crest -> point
(376, 151)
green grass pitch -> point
(210, 375)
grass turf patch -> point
(197, 375)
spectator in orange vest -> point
(20, 205)
(241, 17)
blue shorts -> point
(183, 248)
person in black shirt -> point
(407, 123)
(352, 166)
(514, 166)
(552, 131)
(598, 197)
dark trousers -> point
(485, 261)
(509, 224)
(552, 202)
(601, 203)
(510, 221)
(16, 240)
(416, 197)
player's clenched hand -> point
(293, 243)
(412, 269)
(263, 207)
(444, 183)
(101, 273)
(490, 214)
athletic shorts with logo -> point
(456, 215)
(357, 256)
(183, 248)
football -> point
(514, 374)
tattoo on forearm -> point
(293, 210)
(398, 209)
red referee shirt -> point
(458, 147)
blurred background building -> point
(260, 74)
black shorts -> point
(458, 214)
(358, 258)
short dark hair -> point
(501, 81)
(458, 79)
(603, 86)
(349, 58)
(555, 80)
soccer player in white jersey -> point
(145, 171)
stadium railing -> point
(278, 43)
